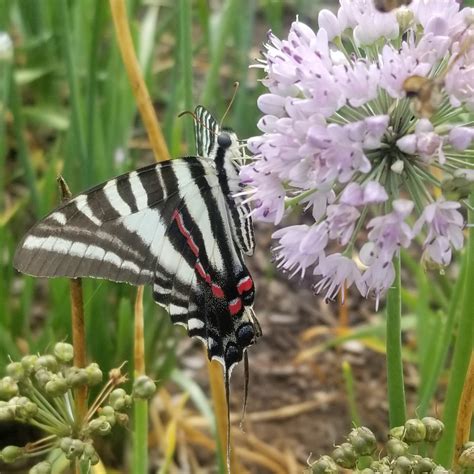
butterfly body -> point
(176, 226)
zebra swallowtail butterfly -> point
(175, 225)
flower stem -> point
(140, 407)
(461, 357)
(396, 388)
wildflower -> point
(367, 137)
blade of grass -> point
(462, 353)
(396, 387)
(64, 26)
(218, 47)
(186, 66)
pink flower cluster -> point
(341, 140)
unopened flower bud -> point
(100, 426)
(94, 374)
(15, 370)
(363, 441)
(122, 418)
(65, 444)
(434, 429)
(466, 459)
(64, 352)
(324, 465)
(396, 448)
(423, 465)
(28, 362)
(119, 399)
(76, 448)
(402, 465)
(367, 470)
(43, 376)
(76, 377)
(397, 432)
(143, 387)
(345, 456)
(379, 466)
(57, 386)
(108, 413)
(415, 431)
(10, 454)
(7, 413)
(43, 467)
(48, 362)
(90, 454)
(404, 18)
(8, 388)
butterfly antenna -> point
(196, 119)
(246, 389)
(236, 88)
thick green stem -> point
(140, 436)
(396, 387)
(462, 353)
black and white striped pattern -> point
(176, 226)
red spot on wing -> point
(245, 284)
(235, 306)
(217, 291)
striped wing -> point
(208, 288)
(115, 230)
(206, 130)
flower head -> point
(363, 136)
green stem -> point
(396, 388)
(64, 24)
(140, 436)
(23, 152)
(462, 353)
(186, 66)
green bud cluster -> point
(360, 452)
(38, 390)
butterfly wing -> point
(115, 230)
(206, 130)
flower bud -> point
(7, 413)
(64, 352)
(397, 432)
(43, 376)
(57, 386)
(76, 448)
(363, 441)
(24, 408)
(94, 374)
(143, 387)
(48, 362)
(345, 456)
(423, 465)
(65, 444)
(415, 431)
(10, 454)
(8, 388)
(90, 454)
(15, 370)
(76, 377)
(43, 467)
(367, 470)
(466, 459)
(380, 466)
(28, 362)
(404, 18)
(122, 418)
(396, 448)
(119, 399)
(108, 413)
(402, 465)
(99, 426)
(324, 465)
(434, 429)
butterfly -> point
(177, 226)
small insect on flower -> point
(366, 139)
